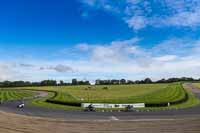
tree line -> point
(41, 83)
(98, 82)
(145, 81)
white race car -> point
(21, 105)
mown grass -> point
(147, 93)
(152, 93)
(41, 102)
(7, 95)
(192, 101)
(197, 85)
(114, 93)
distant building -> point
(115, 82)
(74, 81)
(130, 82)
(98, 82)
(122, 81)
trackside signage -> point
(105, 105)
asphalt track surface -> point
(193, 112)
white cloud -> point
(101, 4)
(166, 58)
(139, 14)
(5, 72)
(58, 68)
(114, 52)
(129, 58)
(137, 22)
(175, 46)
(116, 59)
(26, 65)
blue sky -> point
(91, 39)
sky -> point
(99, 39)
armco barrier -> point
(108, 105)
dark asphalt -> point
(193, 112)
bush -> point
(105, 88)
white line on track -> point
(113, 118)
(151, 120)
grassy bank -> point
(7, 94)
(142, 93)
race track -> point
(190, 113)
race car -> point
(90, 108)
(21, 105)
(129, 108)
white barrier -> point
(106, 105)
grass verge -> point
(8, 95)
(192, 101)
(41, 102)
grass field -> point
(138, 93)
(147, 93)
(151, 93)
(197, 85)
(41, 102)
(113, 93)
(6, 95)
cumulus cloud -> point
(114, 52)
(128, 57)
(117, 59)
